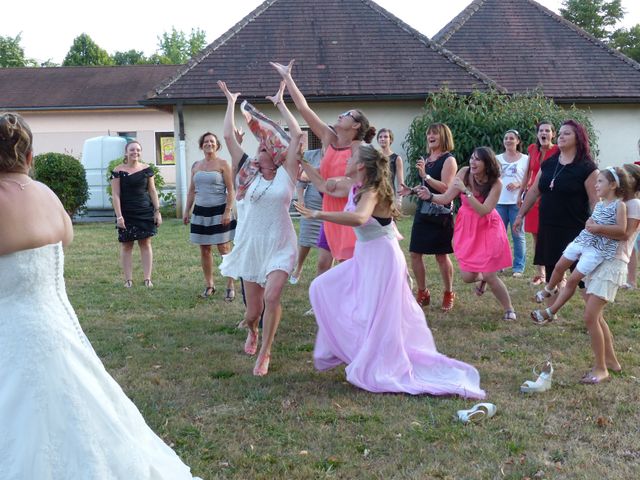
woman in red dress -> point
(538, 153)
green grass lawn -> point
(180, 359)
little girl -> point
(588, 249)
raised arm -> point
(321, 129)
(295, 132)
(229, 130)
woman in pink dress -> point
(377, 328)
(479, 239)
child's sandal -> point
(543, 294)
(540, 317)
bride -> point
(62, 414)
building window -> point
(165, 148)
(128, 135)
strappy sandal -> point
(208, 291)
(148, 283)
(543, 294)
(537, 280)
(448, 300)
(481, 288)
(423, 297)
(230, 295)
(509, 315)
(540, 317)
(128, 283)
(542, 383)
(251, 344)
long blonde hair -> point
(377, 178)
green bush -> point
(64, 175)
(168, 198)
(482, 118)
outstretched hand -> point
(231, 97)
(277, 98)
(304, 211)
(283, 70)
(404, 190)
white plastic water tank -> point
(97, 152)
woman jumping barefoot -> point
(264, 254)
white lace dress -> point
(62, 416)
(265, 238)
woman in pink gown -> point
(377, 328)
(480, 241)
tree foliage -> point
(628, 41)
(482, 118)
(598, 17)
(130, 57)
(175, 47)
(12, 53)
(85, 52)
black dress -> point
(135, 205)
(432, 229)
(564, 209)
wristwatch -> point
(468, 193)
(427, 178)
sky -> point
(48, 27)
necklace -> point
(556, 172)
(254, 200)
(21, 185)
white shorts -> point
(588, 257)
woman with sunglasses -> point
(351, 126)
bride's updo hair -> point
(16, 141)
(377, 177)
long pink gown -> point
(368, 319)
(480, 244)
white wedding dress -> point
(62, 416)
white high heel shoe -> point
(542, 384)
(477, 413)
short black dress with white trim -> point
(135, 205)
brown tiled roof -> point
(343, 49)
(79, 87)
(522, 46)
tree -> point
(12, 54)
(482, 118)
(598, 17)
(84, 51)
(176, 48)
(131, 57)
(628, 41)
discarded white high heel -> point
(477, 413)
(542, 384)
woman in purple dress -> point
(377, 328)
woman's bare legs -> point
(146, 253)
(446, 271)
(206, 259)
(126, 260)
(419, 272)
(276, 281)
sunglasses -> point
(348, 114)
